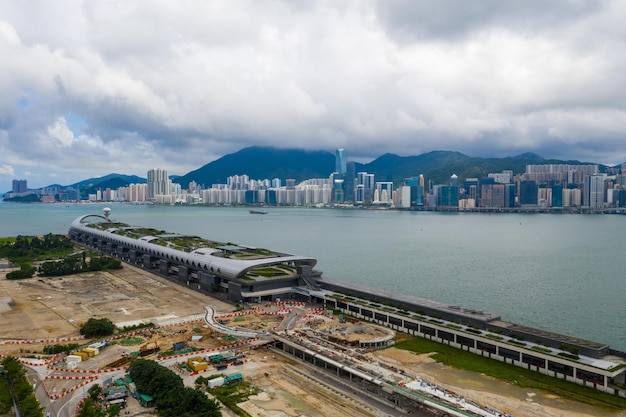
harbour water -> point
(563, 273)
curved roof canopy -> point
(213, 258)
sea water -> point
(559, 272)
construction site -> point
(40, 312)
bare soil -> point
(44, 308)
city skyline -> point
(581, 187)
(92, 88)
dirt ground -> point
(56, 307)
(489, 391)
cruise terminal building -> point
(238, 273)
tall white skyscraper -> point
(158, 183)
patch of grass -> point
(231, 395)
(518, 376)
(131, 341)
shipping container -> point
(215, 358)
(194, 359)
(199, 366)
(216, 382)
(91, 351)
(73, 358)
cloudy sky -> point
(93, 87)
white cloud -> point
(196, 79)
(6, 170)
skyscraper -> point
(340, 162)
(20, 186)
(594, 191)
(416, 186)
(528, 193)
(158, 183)
(348, 183)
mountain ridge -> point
(268, 162)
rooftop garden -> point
(184, 243)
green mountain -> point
(264, 162)
(109, 181)
(261, 163)
(438, 166)
(112, 181)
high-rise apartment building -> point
(20, 186)
(158, 183)
(561, 173)
(138, 192)
(593, 193)
(501, 177)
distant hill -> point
(109, 181)
(261, 163)
(264, 162)
(112, 181)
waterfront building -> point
(620, 199)
(544, 197)
(447, 196)
(528, 193)
(594, 365)
(416, 187)
(483, 187)
(338, 192)
(384, 192)
(492, 196)
(509, 195)
(467, 204)
(365, 188)
(158, 183)
(572, 197)
(403, 197)
(557, 196)
(470, 188)
(594, 191)
(138, 192)
(235, 272)
(19, 186)
(349, 182)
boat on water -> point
(258, 212)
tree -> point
(21, 388)
(171, 397)
(88, 409)
(97, 328)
